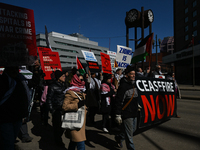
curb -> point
(189, 89)
(190, 97)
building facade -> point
(70, 46)
(186, 41)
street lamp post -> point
(159, 40)
(193, 60)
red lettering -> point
(147, 107)
(159, 97)
(170, 104)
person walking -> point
(72, 103)
(13, 106)
(107, 93)
(55, 98)
(126, 107)
(93, 97)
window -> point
(195, 33)
(186, 28)
(186, 19)
(186, 37)
(194, 3)
(195, 23)
(186, 10)
(194, 13)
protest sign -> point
(157, 99)
(50, 62)
(89, 56)
(17, 36)
(123, 57)
(105, 63)
(93, 66)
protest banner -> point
(105, 63)
(93, 66)
(123, 57)
(17, 36)
(157, 99)
(50, 62)
(89, 56)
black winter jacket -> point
(55, 95)
(124, 94)
(16, 106)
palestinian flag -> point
(79, 66)
(143, 49)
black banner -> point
(157, 98)
(93, 66)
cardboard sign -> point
(17, 36)
(50, 62)
(105, 62)
(157, 98)
(93, 67)
(89, 56)
(123, 57)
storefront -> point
(183, 61)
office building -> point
(186, 41)
(70, 46)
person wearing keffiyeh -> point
(72, 103)
(107, 93)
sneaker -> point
(105, 130)
(119, 143)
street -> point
(177, 133)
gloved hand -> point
(118, 119)
(81, 103)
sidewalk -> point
(190, 92)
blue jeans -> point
(80, 145)
(128, 128)
(8, 134)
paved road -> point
(178, 133)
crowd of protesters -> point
(112, 95)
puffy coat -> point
(56, 95)
(124, 94)
(71, 104)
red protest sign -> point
(50, 62)
(105, 62)
(17, 36)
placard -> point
(17, 36)
(157, 98)
(89, 56)
(105, 62)
(123, 57)
(93, 67)
(50, 62)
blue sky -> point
(98, 20)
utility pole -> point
(193, 59)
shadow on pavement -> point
(94, 136)
(46, 141)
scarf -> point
(76, 85)
(75, 81)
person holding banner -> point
(55, 98)
(126, 107)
